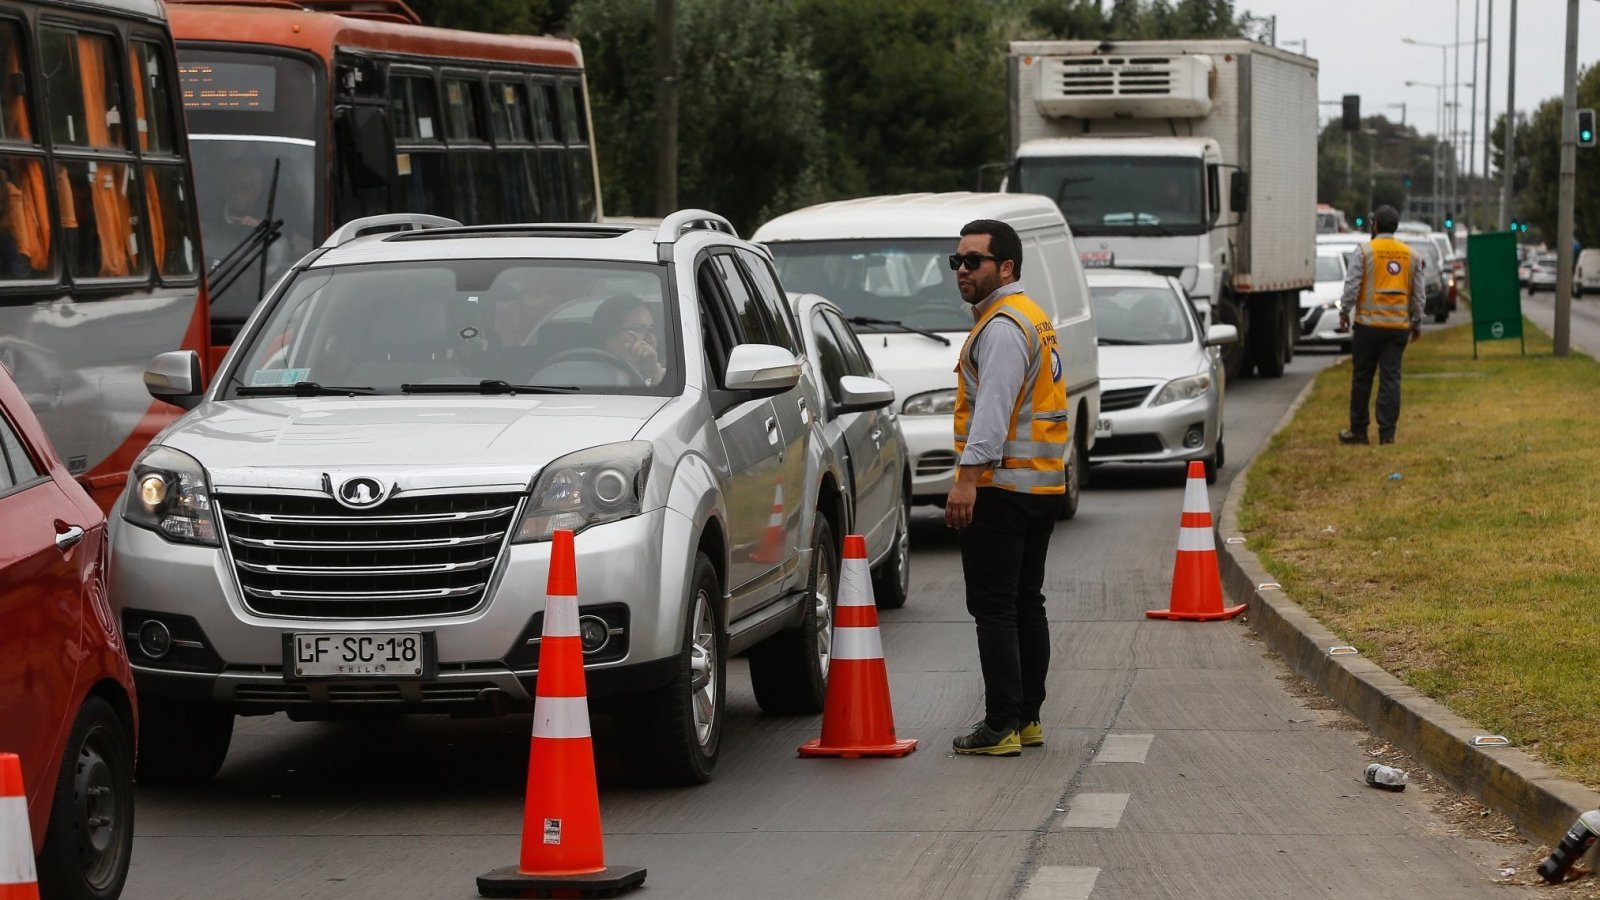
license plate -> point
(1102, 428)
(1098, 259)
(346, 655)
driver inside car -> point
(626, 328)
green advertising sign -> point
(1496, 294)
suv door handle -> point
(805, 412)
(772, 430)
(71, 537)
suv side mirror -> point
(857, 393)
(762, 369)
(174, 377)
(1239, 192)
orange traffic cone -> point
(563, 853)
(17, 878)
(1196, 584)
(771, 549)
(857, 718)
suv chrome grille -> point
(309, 557)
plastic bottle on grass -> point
(1579, 838)
(1387, 777)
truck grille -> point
(1123, 398)
(309, 557)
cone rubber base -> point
(814, 749)
(1226, 612)
(608, 882)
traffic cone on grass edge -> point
(1196, 583)
(17, 878)
(563, 852)
(857, 717)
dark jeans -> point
(1380, 349)
(1002, 555)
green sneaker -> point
(1032, 735)
(985, 741)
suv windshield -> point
(908, 282)
(1139, 314)
(594, 327)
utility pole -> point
(1511, 118)
(1472, 122)
(1455, 113)
(1488, 103)
(666, 107)
(1568, 187)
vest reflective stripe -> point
(1032, 457)
(1385, 298)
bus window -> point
(84, 92)
(471, 161)
(573, 115)
(152, 103)
(580, 181)
(544, 112)
(416, 110)
(97, 218)
(24, 234)
(461, 104)
(14, 123)
(508, 106)
(172, 245)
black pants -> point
(1380, 349)
(1002, 555)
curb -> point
(1542, 803)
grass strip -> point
(1464, 558)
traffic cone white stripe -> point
(1196, 539)
(16, 844)
(855, 585)
(1194, 497)
(857, 643)
(560, 717)
(561, 617)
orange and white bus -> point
(324, 111)
(100, 265)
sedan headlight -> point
(1183, 389)
(590, 487)
(931, 403)
(168, 494)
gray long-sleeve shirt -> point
(1358, 267)
(1000, 352)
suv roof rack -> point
(529, 229)
(677, 224)
(351, 230)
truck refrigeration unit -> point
(1195, 159)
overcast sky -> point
(1358, 46)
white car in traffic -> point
(1319, 304)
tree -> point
(1539, 171)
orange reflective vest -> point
(1385, 298)
(1033, 458)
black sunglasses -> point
(972, 261)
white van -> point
(1586, 273)
(885, 262)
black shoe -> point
(985, 741)
(1352, 437)
(1385, 438)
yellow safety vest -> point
(1385, 298)
(1033, 457)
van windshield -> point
(572, 326)
(904, 281)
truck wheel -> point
(1291, 328)
(891, 583)
(89, 838)
(681, 722)
(789, 670)
(1442, 314)
(1227, 312)
(182, 743)
(1266, 333)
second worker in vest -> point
(1011, 425)
(1384, 287)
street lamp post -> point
(1438, 135)
(1447, 124)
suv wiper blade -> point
(1121, 342)
(488, 386)
(300, 389)
(895, 323)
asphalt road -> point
(1178, 764)
(1584, 322)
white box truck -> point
(1196, 159)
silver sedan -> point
(1161, 379)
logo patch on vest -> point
(1055, 365)
(1393, 267)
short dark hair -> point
(612, 312)
(1003, 242)
(1385, 219)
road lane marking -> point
(1061, 883)
(1096, 811)
(1124, 748)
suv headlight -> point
(590, 487)
(1183, 389)
(168, 494)
(931, 403)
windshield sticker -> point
(270, 377)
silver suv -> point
(355, 516)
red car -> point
(66, 691)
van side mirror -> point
(174, 377)
(858, 393)
(1239, 192)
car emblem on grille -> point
(361, 492)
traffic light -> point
(1449, 221)
(1524, 227)
(1408, 182)
(1513, 226)
(1585, 128)
(1361, 222)
(1352, 112)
